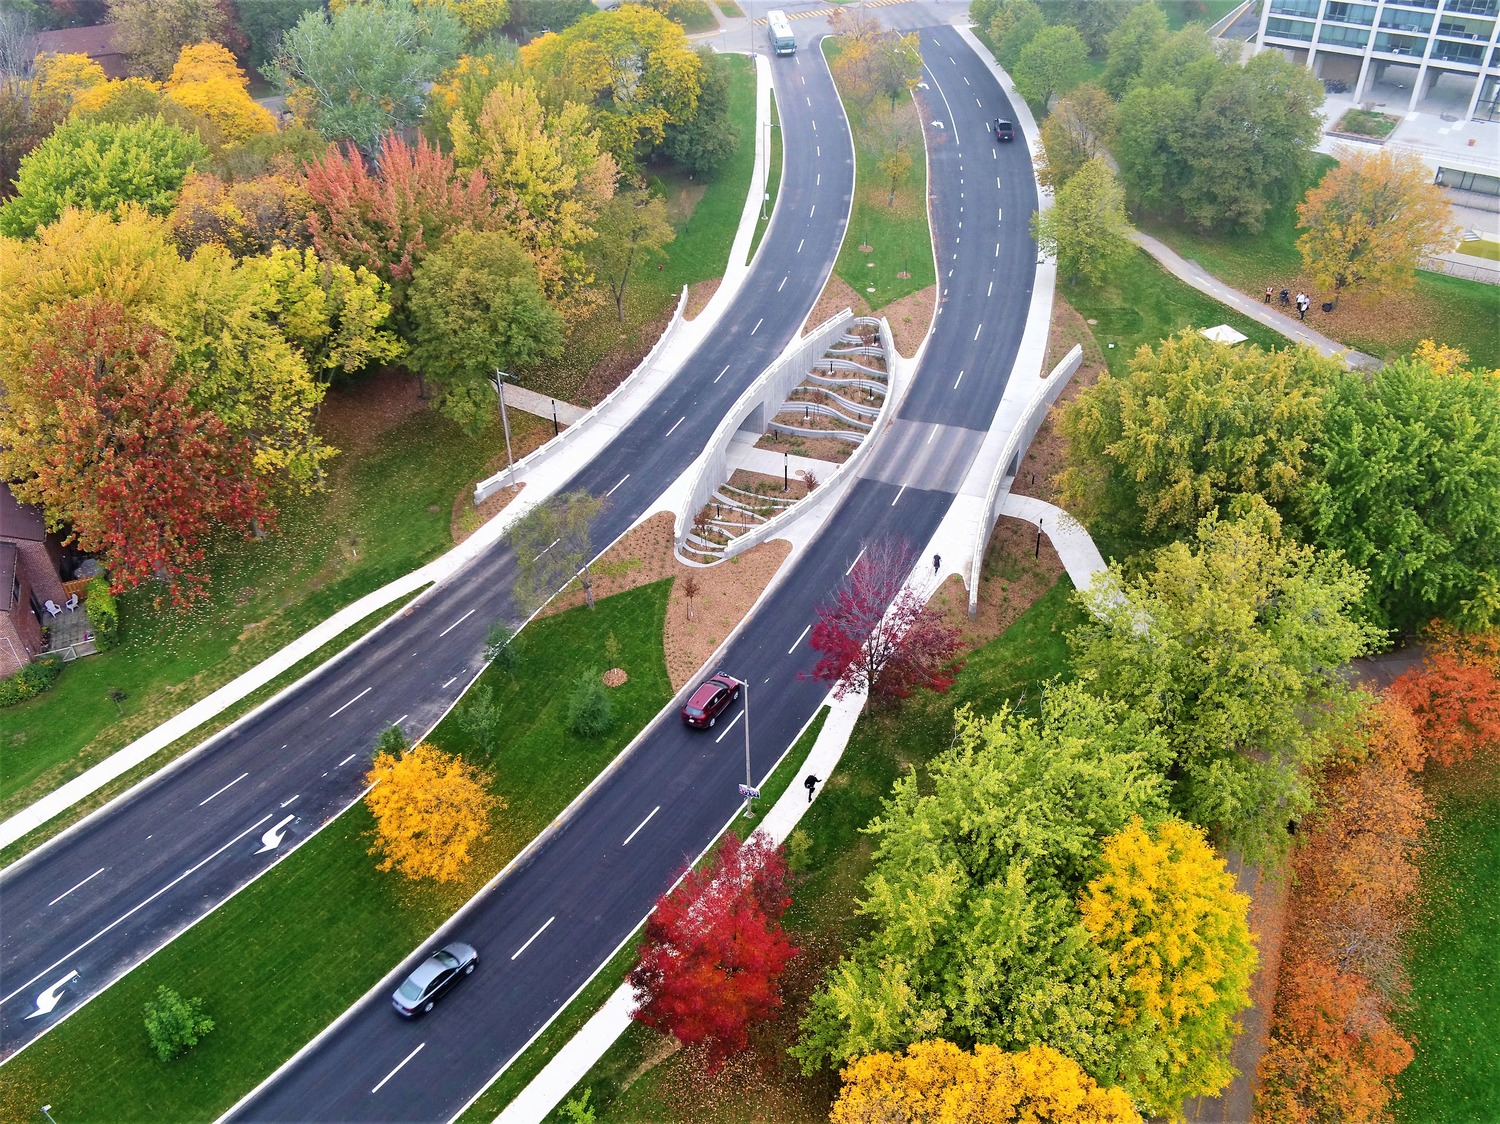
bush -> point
(104, 613)
(175, 1024)
(590, 713)
(30, 681)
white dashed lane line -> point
(533, 937)
(366, 691)
(445, 632)
(800, 635)
(226, 788)
(640, 825)
(397, 1070)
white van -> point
(779, 31)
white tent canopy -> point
(1223, 334)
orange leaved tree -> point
(430, 808)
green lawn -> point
(386, 512)
(895, 228)
(1180, 13)
(835, 862)
(1453, 1018)
(281, 959)
(773, 180)
(1482, 248)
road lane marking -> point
(861, 553)
(958, 380)
(815, 124)
(397, 1070)
(977, 331)
(812, 212)
(899, 495)
(65, 893)
(934, 432)
(365, 692)
(800, 635)
(398, 722)
(967, 82)
(951, 119)
(456, 623)
(809, 100)
(758, 323)
(673, 430)
(534, 936)
(997, 183)
(799, 250)
(448, 684)
(999, 214)
(293, 800)
(819, 148)
(626, 477)
(820, 180)
(345, 761)
(782, 285)
(722, 373)
(977, 102)
(640, 825)
(990, 290)
(548, 547)
(135, 909)
(997, 249)
(226, 788)
(727, 728)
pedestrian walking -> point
(937, 562)
(1269, 291)
(810, 782)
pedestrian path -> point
(543, 406)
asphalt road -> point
(81, 911)
(543, 930)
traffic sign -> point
(751, 793)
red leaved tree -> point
(115, 452)
(388, 219)
(878, 635)
(714, 951)
(1456, 694)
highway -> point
(82, 910)
(544, 929)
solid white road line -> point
(797, 641)
(226, 788)
(65, 893)
(675, 424)
(861, 553)
(899, 495)
(626, 477)
(397, 1070)
(455, 624)
(365, 692)
(640, 825)
(722, 373)
(534, 936)
(345, 761)
(448, 684)
(134, 909)
(727, 728)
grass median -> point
(283, 958)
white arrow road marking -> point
(534, 936)
(397, 1070)
(640, 825)
(52, 996)
(937, 125)
(273, 836)
(65, 893)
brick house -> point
(29, 577)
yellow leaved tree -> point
(57, 80)
(208, 82)
(935, 1082)
(430, 809)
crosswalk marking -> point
(825, 13)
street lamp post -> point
(765, 187)
(47, 1112)
(749, 785)
(786, 470)
(500, 379)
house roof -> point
(19, 522)
(97, 41)
(10, 556)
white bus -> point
(779, 31)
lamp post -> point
(500, 380)
(749, 785)
(47, 1112)
(765, 192)
(786, 470)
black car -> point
(433, 977)
(710, 700)
(1004, 130)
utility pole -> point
(500, 380)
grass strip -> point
(1480, 248)
(773, 180)
(524, 1069)
(284, 957)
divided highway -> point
(81, 911)
(542, 931)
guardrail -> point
(1010, 460)
(490, 485)
(1484, 274)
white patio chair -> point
(52, 607)
(71, 603)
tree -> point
(480, 18)
(152, 32)
(174, 1024)
(936, 1082)
(1190, 425)
(208, 82)
(1455, 694)
(974, 934)
(100, 167)
(897, 64)
(115, 452)
(1371, 219)
(501, 650)
(1409, 461)
(264, 22)
(1014, 25)
(551, 543)
(1139, 35)
(360, 72)
(1164, 910)
(878, 636)
(1096, 20)
(430, 809)
(476, 305)
(1079, 129)
(632, 229)
(689, 591)
(713, 953)
(590, 712)
(1151, 145)
(894, 136)
(704, 143)
(248, 218)
(1052, 63)
(1233, 644)
(1086, 228)
(480, 716)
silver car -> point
(435, 975)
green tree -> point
(551, 543)
(590, 711)
(1186, 58)
(1139, 35)
(1095, 20)
(1410, 472)
(101, 167)
(1086, 228)
(1080, 128)
(264, 22)
(897, 64)
(480, 716)
(632, 230)
(174, 1024)
(974, 934)
(895, 137)
(1150, 148)
(704, 143)
(151, 32)
(361, 71)
(501, 648)
(1053, 62)
(1233, 645)
(1013, 26)
(1188, 426)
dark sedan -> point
(434, 976)
(710, 700)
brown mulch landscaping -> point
(815, 448)
(698, 297)
(354, 415)
(910, 316)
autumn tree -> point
(895, 137)
(152, 32)
(1052, 63)
(430, 808)
(100, 167)
(1164, 910)
(713, 953)
(208, 82)
(1014, 24)
(1138, 36)
(360, 72)
(1189, 425)
(703, 144)
(1455, 694)
(1086, 229)
(476, 305)
(633, 230)
(974, 934)
(461, 89)
(116, 453)
(247, 217)
(1409, 460)
(1079, 129)
(1213, 641)
(552, 548)
(935, 1082)
(878, 636)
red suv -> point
(710, 700)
